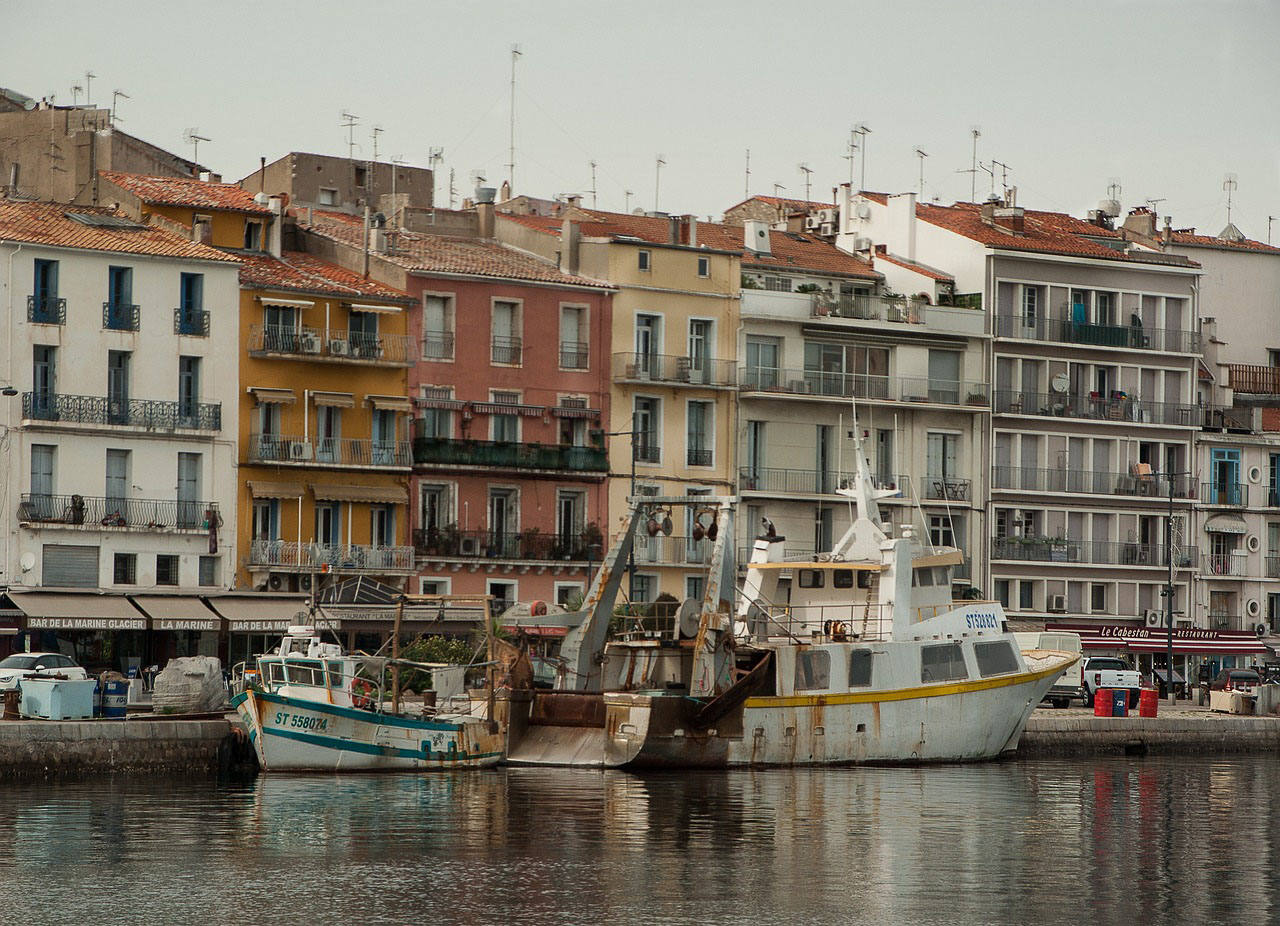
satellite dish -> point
(1060, 383)
(28, 562)
(689, 617)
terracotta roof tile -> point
(48, 223)
(796, 205)
(1208, 241)
(186, 191)
(301, 272)
(422, 253)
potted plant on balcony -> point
(530, 541)
(592, 540)
(976, 398)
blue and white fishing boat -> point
(311, 708)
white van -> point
(1070, 685)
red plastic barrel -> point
(1102, 702)
(1148, 702)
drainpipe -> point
(14, 472)
(364, 242)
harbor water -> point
(1092, 842)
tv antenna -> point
(76, 90)
(746, 185)
(511, 163)
(657, 179)
(991, 172)
(852, 149)
(377, 130)
(88, 86)
(805, 169)
(1004, 176)
(1152, 203)
(349, 121)
(593, 183)
(862, 129)
(626, 200)
(115, 95)
(1114, 189)
(452, 191)
(778, 188)
(193, 139)
(976, 132)
(921, 155)
(1229, 183)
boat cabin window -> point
(859, 668)
(922, 577)
(842, 578)
(336, 679)
(813, 669)
(942, 662)
(275, 672)
(995, 658)
(306, 673)
(810, 578)
(864, 579)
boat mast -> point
(865, 534)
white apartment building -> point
(121, 345)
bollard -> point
(1204, 695)
(1148, 702)
(1102, 702)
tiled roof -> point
(1271, 419)
(795, 205)
(1208, 241)
(791, 250)
(186, 191)
(301, 272)
(48, 223)
(421, 253)
(915, 267)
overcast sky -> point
(1164, 97)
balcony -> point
(1090, 482)
(1253, 379)
(1228, 494)
(119, 316)
(947, 488)
(96, 513)
(1224, 564)
(330, 557)
(506, 350)
(333, 345)
(673, 370)
(329, 451)
(646, 450)
(148, 414)
(698, 457)
(1226, 418)
(914, 389)
(1129, 337)
(1272, 565)
(437, 451)
(191, 322)
(1224, 619)
(529, 544)
(899, 309)
(437, 345)
(671, 551)
(574, 355)
(1097, 552)
(46, 310)
(1117, 407)
(809, 481)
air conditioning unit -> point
(276, 582)
(304, 583)
(812, 222)
(1152, 617)
(1261, 629)
(339, 347)
(862, 244)
(1058, 604)
(469, 546)
(827, 216)
(299, 450)
(827, 228)
(309, 343)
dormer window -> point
(253, 236)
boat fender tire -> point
(362, 694)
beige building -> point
(343, 184)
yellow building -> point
(675, 326)
(324, 451)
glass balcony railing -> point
(508, 455)
(150, 414)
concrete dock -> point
(1182, 730)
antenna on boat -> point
(866, 531)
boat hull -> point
(294, 734)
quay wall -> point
(1048, 734)
(41, 749)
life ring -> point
(362, 694)
(839, 632)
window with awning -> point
(333, 399)
(260, 489)
(271, 395)
(334, 492)
(393, 403)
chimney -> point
(1009, 219)
(689, 230)
(378, 233)
(1167, 234)
(673, 229)
(570, 246)
(1141, 221)
(275, 229)
(900, 235)
(755, 236)
(262, 173)
(484, 210)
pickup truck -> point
(1109, 672)
(1070, 684)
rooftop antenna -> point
(377, 130)
(1270, 219)
(593, 184)
(452, 191)
(193, 139)
(76, 90)
(1004, 176)
(805, 169)
(1114, 189)
(626, 200)
(1152, 203)
(115, 95)
(973, 168)
(88, 86)
(657, 180)
(862, 129)
(1229, 183)
(511, 163)
(852, 149)
(349, 121)
(778, 188)
(396, 161)
(921, 155)
(991, 171)
(435, 156)
(746, 185)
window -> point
(328, 434)
(191, 317)
(166, 569)
(571, 511)
(695, 587)
(648, 347)
(995, 658)
(943, 662)
(382, 525)
(642, 260)
(762, 362)
(44, 307)
(505, 345)
(118, 483)
(823, 524)
(125, 571)
(361, 175)
(383, 440)
(699, 445)
(1030, 306)
(700, 341)
(44, 371)
(941, 531)
(42, 468)
(648, 414)
(362, 335)
(1026, 594)
(504, 521)
(643, 588)
(433, 586)
(505, 426)
(190, 507)
(437, 328)
(842, 578)
(704, 267)
(811, 578)
(1002, 592)
(433, 502)
(328, 196)
(328, 523)
(813, 669)
(859, 668)
(1097, 597)
(435, 422)
(119, 313)
(188, 388)
(118, 386)
(1224, 474)
(573, 338)
(944, 376)
(266, 519)
(252, 236)
(944, 471)
(846, 370)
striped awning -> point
(449, 404)
(333, 399)
(260, 489)
(567, 411)
(271, 395)
(1226, 524)
(395, 495)
(501, 408)
(393, 403)
(1136, 638)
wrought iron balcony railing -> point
(506, 350)
(191, 322)
(574, 355)
(47, 310)
(841, 385)
(529, 544)
(1091, 482)
(437, 345)
(339, 558)
(344, 451)
(900, 309)
(151, 414)
(698, 457)
(647, 451)
(332, 344)
(508, 454)
(947, 488)
(120, 316)
(1224, 564)
(96, 512)
(1232, 494)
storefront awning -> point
(177, 612)
(447, 404)
(1135, 638)
(259, 613)
(270, 395)
(1226, 524)
(71, 611)
(502, 408)
(334, 399)
(395, 495)
(567, 411)
(392, 403)
(260, 489)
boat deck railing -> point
(839, 623)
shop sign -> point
(86, 623)
(173, 623)
(259, 626)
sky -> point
(1165, 99)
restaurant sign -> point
(175, 623)
(86, 623)
(259, 626)
(1138, 638)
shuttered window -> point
(68, 566)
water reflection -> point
(1112, 841)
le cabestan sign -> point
(1139, 638)
(86, 623)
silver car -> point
(19, 665)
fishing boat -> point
(867, 660)
(309, 706)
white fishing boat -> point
(869, 661)
(310, 707)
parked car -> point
(1236, 680)
(1110, 672)
(1070, 685)
(15, 667)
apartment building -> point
(831, 349)
(510, 385)
(1095, 357)
(674, 371)
(120, 440)
(346, 185)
